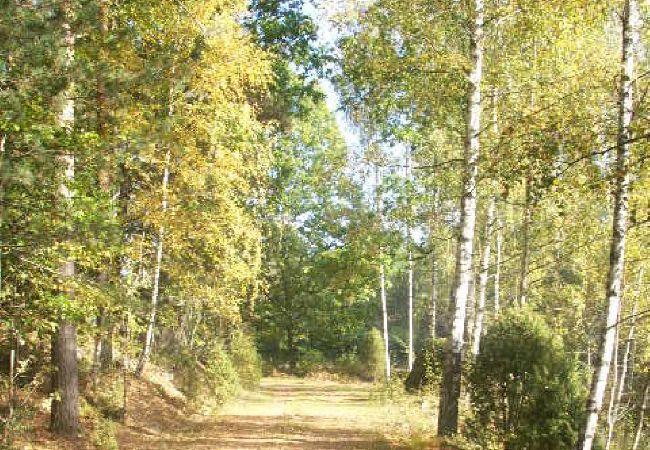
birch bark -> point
(146, 352)
(483, 278)
(619, 229)
(451, 383)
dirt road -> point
(286, 413)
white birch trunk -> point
(384, 309)
(411, 356)
(382, 277)
(642, 410)
(525, 253)
(497, 264)
(619, 387)
(617, 251)
(451, 385)
(483, 278)
(144, 357)
(411, 334)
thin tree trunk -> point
(619, 387)
(525, 252)
(125, 367)
(642, 410)
(617, 252)
(497, 264)
(410, 295)
(144, 357)
(451, 383)
(384, 309)
(434, 297)
(411, 355)
(434, 272)
(65, 400)
(382, 275)
(612, 395)
(483, 278)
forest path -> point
(285, 413)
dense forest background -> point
(175, 191)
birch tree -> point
(619, 232)
(452, 372)
(483, 277)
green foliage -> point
(524, 386)
(372, 356)
(310, 361)
(104, 433)
(104, 436)
(209, 381)
(246, 360)
(427, 367)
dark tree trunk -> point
(65, 401)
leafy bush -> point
(246, 360)
(211, 378)
(525, 388)
(427, 367)
(309, 361)
(372, 356)
(104, 435)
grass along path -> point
(285, 413)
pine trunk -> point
(65, 401)
(64, 410)
(617, 251)
(451, 383)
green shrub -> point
(372, 356)
(211, 380)
(246, 360)
(525, 388)
(104, 435)
(427, 368)
(309, 361)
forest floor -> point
(285, 413)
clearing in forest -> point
(285, 413)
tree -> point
(619, 232)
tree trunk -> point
(64, 411)
(483, 278)
(434, 297)
(410, 262)
(434, 272)
(384, 309)
(451, 383)
(619, 231)
(642, 410)
(497, 264)
(144, 357)
(382, 274)
(525, 251)
(619, 388)
(410, 296)
(65, 401)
